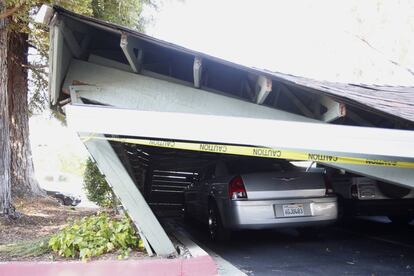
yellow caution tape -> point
(257, 152)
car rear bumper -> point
(261, 214)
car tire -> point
(341, 209)
(401, 219)
(67, 201)
(60, 200)
(216, 229)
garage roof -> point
(397, 102)
(394, 100)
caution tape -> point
(257, 152)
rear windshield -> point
(242, 166)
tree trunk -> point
(5, 156)
(17, 170)
(24, 183)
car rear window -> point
(242, 166)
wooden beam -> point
(149, 228)
(197, 71)
(263, 88)
(128, 45)
(55, 65)
(325, 139)
(44, 15)
(138, 91)
(71, 41)
(330, 139)
(118, 178)
(124, 67)
(74, 96)
(334, 110)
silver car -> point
(246, 193)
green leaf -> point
(94, 236)
(110, 246)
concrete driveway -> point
(360, 247)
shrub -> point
(95, 235)
(96, 187)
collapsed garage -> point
(155, 116)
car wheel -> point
(215, 226)
(404, 219)
(68, 202)
(60, 200)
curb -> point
(200, 266)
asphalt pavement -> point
(363, 246)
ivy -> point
(96, 235)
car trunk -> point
(277, 185)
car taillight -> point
(328, 185)
(354, 191)
(236, 188)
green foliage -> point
(94, 236)
(32, 248)
(125, 13)
(95, 185)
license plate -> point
(366, 191)
(293, 210)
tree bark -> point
(17, 172)
(5, 156)
(24, 183)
